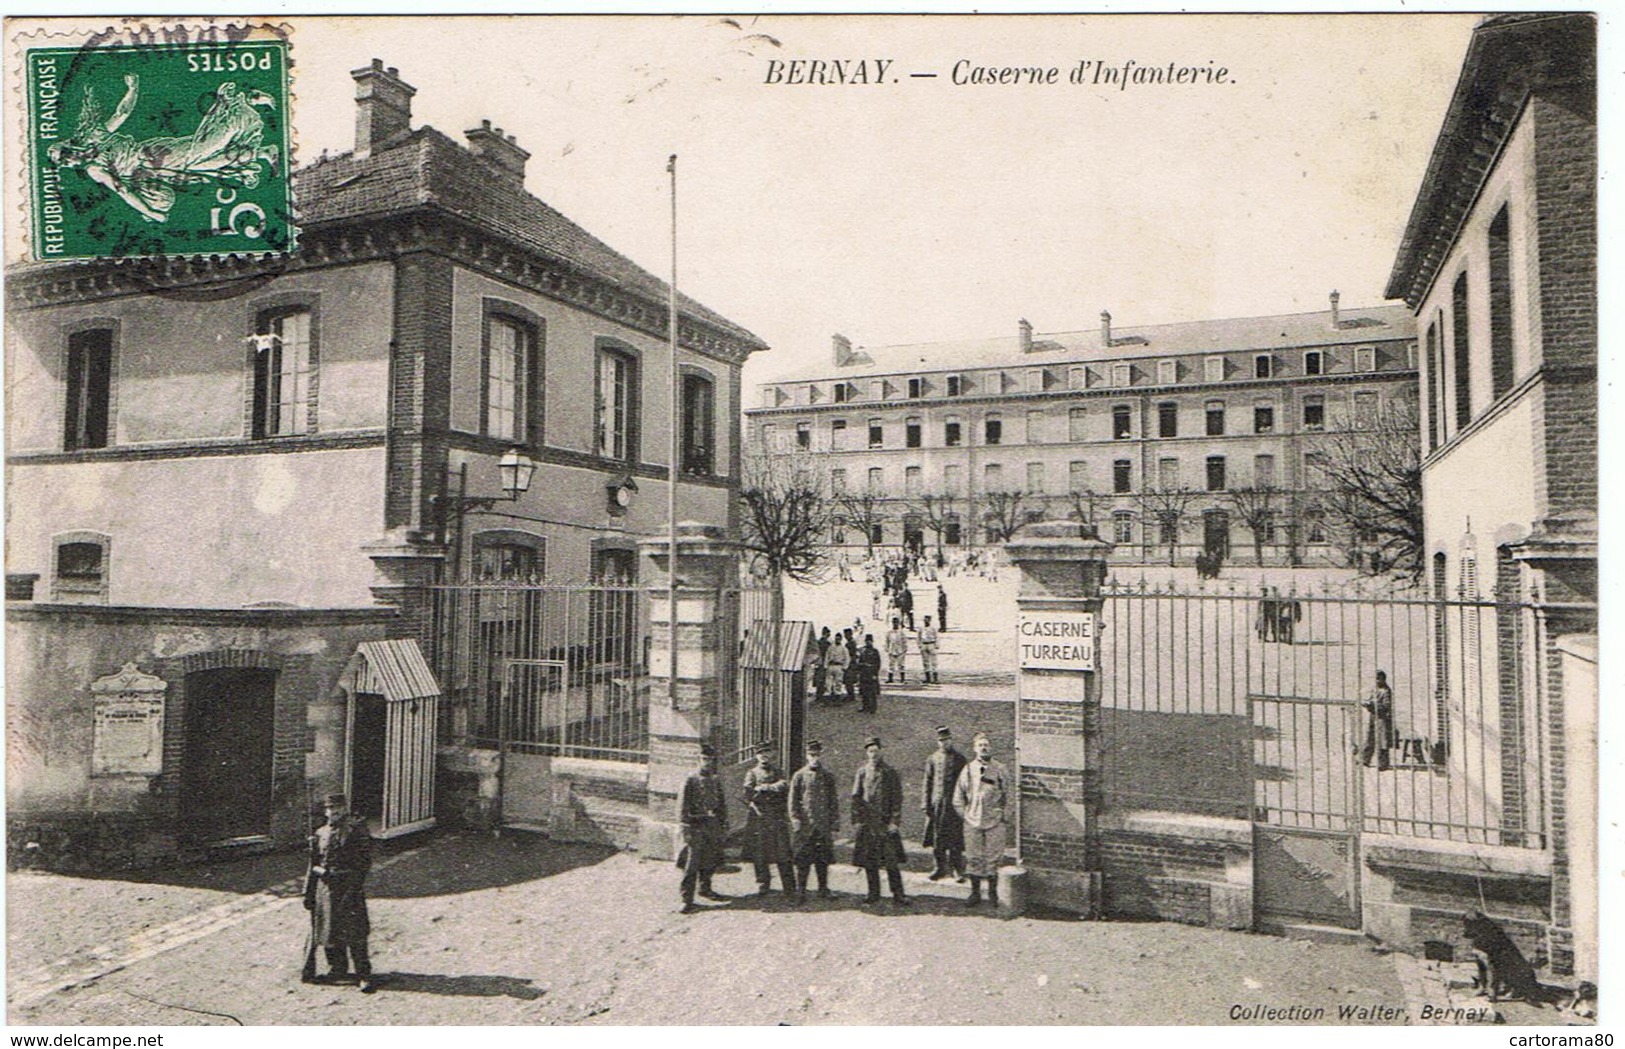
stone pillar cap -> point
(1057, 541)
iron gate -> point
(1253, 704)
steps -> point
(1328, 934)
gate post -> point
(687, 668)
(1058, 804)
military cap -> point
(943, 732)
(337, 799)
(872, 741)
(707, 750)
(814, 747)
(764, 747)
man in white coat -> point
(980, 798)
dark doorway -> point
(368, 745)
(1216, 534)
(226, 777)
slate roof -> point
(427, 169)
(1289, 331)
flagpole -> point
(674, 422)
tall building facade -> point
(1176, 440)
(228, 473)
(1499, 265)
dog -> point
(1502, 968)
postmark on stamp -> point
(176, 147)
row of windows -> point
(1450, 407)
(1269, 528)
(1166, 372)
(1367, 406)
(1216, 476)
(284, 382)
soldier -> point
(869, 674)
(980, 798)
(767, 828)
(905, 604)
(896, 652)
(877, 811)
(839, 658)
(821, 667)
(928, 651)
(704, 814)
(944, 830)
(335, 895)
(942, 607)
(815, 815)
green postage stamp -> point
(163, 148)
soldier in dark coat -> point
(815, 815)
(335, 895)
(704, 814)
(942, 608)
(944, 830)
(767, 823)
(877, 812)
(869, 675)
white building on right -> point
(1498, 263)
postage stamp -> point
(176, 147)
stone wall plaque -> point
(129, 727)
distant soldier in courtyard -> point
(336, 896)
(703, 812)
(815, 815)
(942, 607)
(820, 666)
(928, 652)
(905, 605)
(877, 813)
(980, 798)
(944, 830)
(896, 652)
(869, 674)
(767, 822)
(839, 660)
(1380, 734)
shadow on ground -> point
(460, 986)
(448, 862)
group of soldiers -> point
(791, 823)
(839, 663)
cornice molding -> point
(371, 239)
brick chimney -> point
(383, 106)
(842, 347)
(1336, 321)
(1105, 328)
(501, 151)
(1024, 331)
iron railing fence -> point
(1264, 705)
(545, 668)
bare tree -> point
(1167, 506)
(1259, 508)
(862, 509)
(1086, 504)
(1371, 480)
(935, 512)
(786, 514)
(1003, 514)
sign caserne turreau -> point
(1056, 640)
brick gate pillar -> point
(687, 667)
(1063, 564)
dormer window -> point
(956, 385)
(1213, 369)
(877, 389)
(1167, 372)
(916, 388)
(1077, 377)
(1121, 374)
(843, 392)
(1314, 362)
(1035, 380)
(1365, 359)
(1263, 366)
